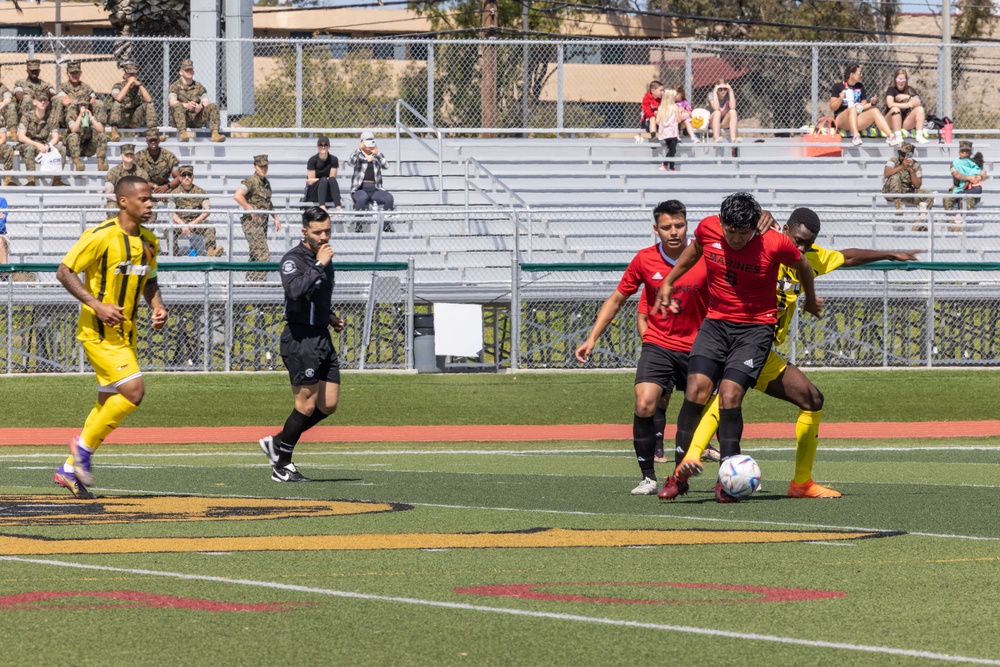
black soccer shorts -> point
(662, 366)
(309, 355)
(731, 350)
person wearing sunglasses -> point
(903, 108)
(321, 176)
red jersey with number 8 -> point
(741, 282)
(675, 331)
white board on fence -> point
(458, 329)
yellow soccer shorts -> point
(115, 364)
(773, 367)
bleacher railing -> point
(342, 85)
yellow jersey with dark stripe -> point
(823, 261)
(116, 267)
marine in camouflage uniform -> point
(255, 193)
(191, 203)
(7, 153)
(969, 203)
(186, 90)
(40, 126)
(131, 110)
(160, 164)
(86, 137)
(128, 167)
(70, 91)
(901, 182)
(9, 111)
(31, 86)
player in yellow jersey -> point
(783, 380)
(118, 260)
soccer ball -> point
(739, 476)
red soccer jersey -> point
(649, 105)
(675, 332)
(741, 282)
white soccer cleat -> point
(647, 487)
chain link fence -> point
(215, 323)
(279, 86)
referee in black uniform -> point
(306, 347)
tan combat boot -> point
(78, 163)
(8, 182)
(102, 164)
(114, 135)
(30, 182)
(59, 181)
(217, 137)
(186, 135)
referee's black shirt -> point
(308, 287)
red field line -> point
(488, 432)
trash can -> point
(423, 345)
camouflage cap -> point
(127, 149)
(965, 145)
(186, 169)
(906, 148)
(186, 64)
(130, 68)
(34, 65)
(260, 160)
(153, 133)
(73, 66)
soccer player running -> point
(783, 380)
(735, 338)
(666, 341)
(118, 260)
(306, 346)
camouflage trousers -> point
(97, 108)
(950, 203)
(144, 114)
(182, 119)
(10, 117)
(207, 233)
(96, 145)
(7, 157)
(255, 230)
(895, 185)
(29, 152)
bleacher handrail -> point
(439, 153)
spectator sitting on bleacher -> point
(903, 175)
(8, 106)
(6, 155)
(190, 106)
(254, 194)
(86, 137)
(321, 176)
(686, 114)
(161, 166)
(650, 105)
(192, 207)
(132, 105)
(722, 104)
(74, 89)
(366, 183)
(128, 167)
(855, 111)
(30, 87)
(38, 132)
(967, 176)
(903, 108)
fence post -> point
(559, 87)
(930, 322)
(815, 84)
(207, 347)
(10, 324)
(940, 81)
(298, 84)
(885, 319)
(430, 83)
(228, 324)
(409, 313)
(166, 83)
(688, 68)
(515, 311)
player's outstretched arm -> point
(860, 257)
(814, 305)
(690, 256)
(151, 292)
(604, 316)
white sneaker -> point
(695, 140)
(720, 140)
(893, 141)
(738, 140)
(921, 138)
(856, 140)
(647, 487)
(639, 139)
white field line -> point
(575, 618)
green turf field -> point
(503, 554)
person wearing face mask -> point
(366, 182)
(903, 108)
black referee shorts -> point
(662, 366)
(309, 355)
(731, 350)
